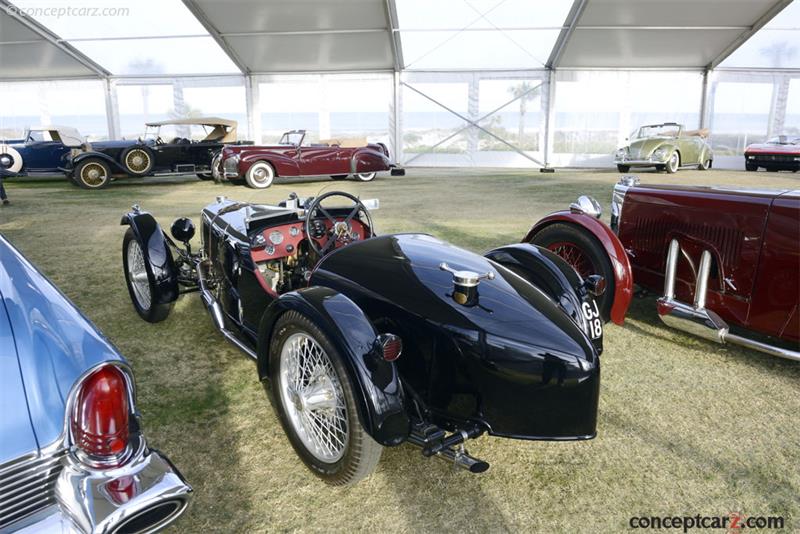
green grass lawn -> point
(685, 427)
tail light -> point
(101, 417)
(389, 347)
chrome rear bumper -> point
(144, 495)
(696, 319)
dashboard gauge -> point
(293, 231)
(270, 250)
(354, 236)
(276, 238)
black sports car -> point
(365, 341)
(152, 155)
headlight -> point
(622, 152)
(659, 153)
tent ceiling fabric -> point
(656, 33)
(304, 35)
(26, 54)
(213, 37)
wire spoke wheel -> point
(575, 257)
(94, 174)
(312, 395)
(137, 274)
(137, 161)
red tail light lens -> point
(391, 346)
(101, 416)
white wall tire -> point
(673, 163)
(10, 159)
(260, 175)
(366, 176)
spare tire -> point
(10, 159)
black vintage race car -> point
(159, 152)
(365, 341)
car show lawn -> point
(686, 427)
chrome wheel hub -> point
(137, 274)
(313, 398)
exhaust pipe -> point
(696, 319)
(444, 450)
(215, 310)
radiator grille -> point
(652, 235)
(776, 157)
(28, 487)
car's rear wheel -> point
(137, 160)
(315, 400)
(751, 167)
(260, 175)
(584, 254)
(623, 168)
(339, 177)
(93, 174)
(141, 285)
(673, 162)
(366, 176)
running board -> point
(696, 319)
(217, 315)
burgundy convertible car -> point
(723, 257)
(780, 153)
(293, 155)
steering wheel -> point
(340, 231)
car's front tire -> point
(260, 175)
(673, 163)
(141, 285)
(623, 168)
(205, 176)
(315, 400)
(705, 164)
(366, 176)
(583, 253)
(92, 174)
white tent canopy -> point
(41, 39)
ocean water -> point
(367, 123)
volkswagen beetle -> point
(667, 147)
(365, 341)
(73, 458)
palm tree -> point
(524, 92)
(778, 52)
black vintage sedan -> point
(365, 341)
(155, 153)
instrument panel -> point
(282, 241)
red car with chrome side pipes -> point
(293, 155)
(727, 259)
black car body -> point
(504, 344)
(152, 155)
